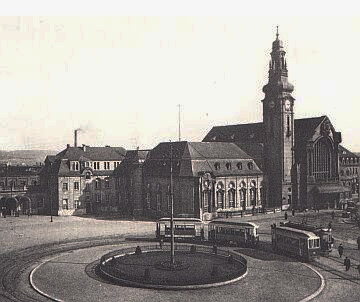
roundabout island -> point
(195, 267)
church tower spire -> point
(278, 119)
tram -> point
(295, 242)
(325, 234)
(184, 228)
(238, 233)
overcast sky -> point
(121, 79)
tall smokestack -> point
(75, 138)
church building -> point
(299, 157)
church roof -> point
(251, 136)
(305, 128)
(253, 132)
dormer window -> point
(217, 166)
(228, 166)
(239, 165)
(75, 166)
(250, 165)
(87, 175)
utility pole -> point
(179, 125)
(172, 255)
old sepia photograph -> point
(179, 151)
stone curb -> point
(36, 288)
(174, 287)
(320, 289)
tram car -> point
(184, 229)
(238, 233)
(325, 234)
(298, 243)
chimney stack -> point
(84, 147)
(75, 138)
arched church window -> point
(323, 163)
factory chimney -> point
(75, 137)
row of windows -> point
(75, 166)
(65, 185)
(66, 206)
(349, 171)
(12, 183)
(239, 166)
(350, 160)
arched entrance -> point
(3, 205)
(11, 205)
(24, 204)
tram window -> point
(311, 243)
(316, 243)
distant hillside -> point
(27, 157)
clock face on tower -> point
(287, 105)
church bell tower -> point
(278, 120)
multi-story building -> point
(17, 184)
(300, 156)
(349, 176)
(129, 182)
(78, 180)
(208, 179)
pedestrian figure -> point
(347, 263)
(285, 215)
(293, 212)
(340, 250)
(214, 249)
(161, 243)
(329, 225)
(333, 215)
(358, 242)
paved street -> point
(68, 239)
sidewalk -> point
(335, 265)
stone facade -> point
(80, 180)
(349, 165)
(208, 179)
(299, 157)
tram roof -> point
(238, 223)
(177, 219)
(308, 234)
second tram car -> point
(295, 242)
(239, 233)
(325, 234)
(184, 228)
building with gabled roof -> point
(79, 180)
(299, 157)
